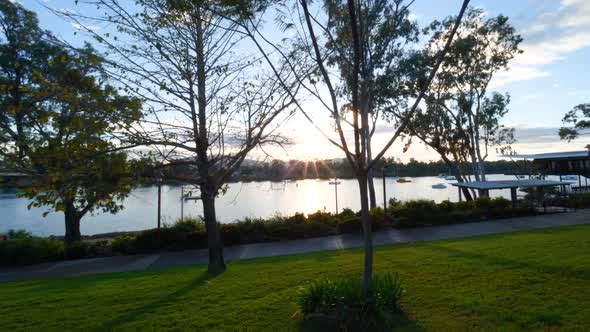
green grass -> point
(537, 280)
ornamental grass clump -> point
(341, 304)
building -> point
(560, 163)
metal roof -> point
(505, 184)
(551, 155)
(13, 174)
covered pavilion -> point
(484, 187)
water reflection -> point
(254, 199)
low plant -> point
(30, 250)
(423, 212)
(123, 245)
(18, 234)
(341, 304)
(188, 225)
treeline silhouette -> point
(277, 170)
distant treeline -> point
(278, 170)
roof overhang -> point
(506, 184)
(551, 155)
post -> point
(181, 202)
(336, 193)
(159, 206)
(540, 194)
(460, 196)
(513, 197)
(562, 187)
(384, 196)
(579, 182)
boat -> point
(439, 186)
(402, 180)
(570, 177)
(442, 175)
(450, 178)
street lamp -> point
(335, 183)
(384, 194)
(159, 182)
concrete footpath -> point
(189, 257)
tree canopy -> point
(61, 121)
(579, 119)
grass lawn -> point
(537, 280)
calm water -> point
(254, 199)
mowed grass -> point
(537, 280)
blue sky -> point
(547, 80)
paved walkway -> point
(168, 259)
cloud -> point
(85, 27)
(550, 38)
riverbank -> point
(253, 199)
(186, 234)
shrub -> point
(77, 250)
(188, 225)
(31, 250)
(123, 245)
(341, 304)
(346, 213)
(18, 234)
(80, 249)
(579, 201)
(351, 224)
(321, 217)
(100, 248)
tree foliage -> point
(207, 106)
(460, 120)
(579, 119)
(60, 120)
(337, 55)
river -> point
(242, 199)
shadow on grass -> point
(134, 314)
(563, 271)
(399, 322)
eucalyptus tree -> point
(58, 114)
(579, 119)
(461, 120)
(386, 33)
(208, 107)
(331, 54)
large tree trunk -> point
(72, 223)
(216, 261)
(367, 235)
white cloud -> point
(517, 73)
(85, 27)
(550, 39)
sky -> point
(544, 82)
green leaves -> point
(62, 111)
(579, 117)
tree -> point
(208, 107)
(385, 33)
(461, 121)
(579, 117)
(316, 70)
(59, 120)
